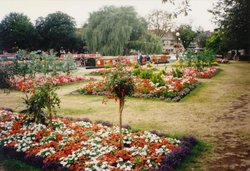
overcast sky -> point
(80, 9)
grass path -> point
(218, 112)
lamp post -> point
(177, 46)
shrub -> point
(146, 74)
(177, 73)
(157, 79)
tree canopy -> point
(110, 29)
(148, 43)
(17, 31)
(233, 19)
(187, 35)
(57, 30)
(216, 43)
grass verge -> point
(190, 162)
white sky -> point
(80, 9)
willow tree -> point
(148, 43)
(110, 29)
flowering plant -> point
(85, 145)
(164, 87)
(206, 72)
(25, 84)
(224, 61)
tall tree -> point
(233, 18)
(16, 30)
(187, 35)
(57, 30)
(216, 43)
(110, 29)
(160, 22)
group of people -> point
(141, 59)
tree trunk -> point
(50, 111)
(121, 105)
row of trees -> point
(110, 31)
(54, 31)
(114, 31)
(233, 20)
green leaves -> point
(110, 29)
(57, 30)
(44, 97)
(120, 83)
(187, 35)
(217, 43)
(148, 43)
(16, 30)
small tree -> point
(119, 85)
(43, 97)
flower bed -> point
(19, 82)
(100, 72)
(206, 72)
(173, 89)
(223, 61)
(85, 145)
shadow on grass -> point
(193, 93)
(15, 165)
(189, 163)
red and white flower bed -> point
(19, 82)
(172, 90)
(84, 145)
(207, 72)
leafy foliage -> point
(233, 18)
(157, 79)
(187, 35)
(110, 29)
(119, 83)
(57, 30)
(16, 31)
(177, 73)
(146, 74)
(189, 56)
(217, 43)
(43, 97)
(148, 43)
(203, 57)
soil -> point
(232, 151)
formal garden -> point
(125, 92)
(38, 137)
